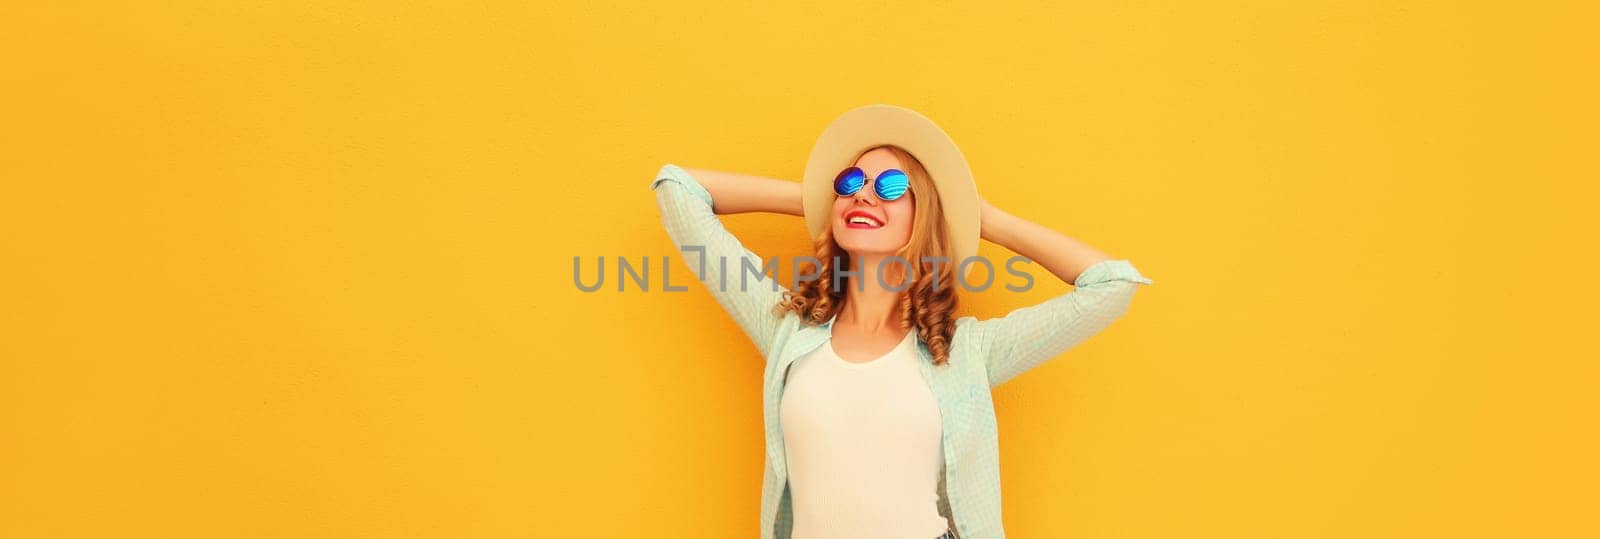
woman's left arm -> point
(1102, 291)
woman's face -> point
(890, 222)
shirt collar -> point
(827, 330)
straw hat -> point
(871, 125)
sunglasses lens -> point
(849, 181)
(891, 184)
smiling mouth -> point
(862, 221)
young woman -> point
(879, 421)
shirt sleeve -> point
(734, 275)
(1029, 336)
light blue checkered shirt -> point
(983, 354)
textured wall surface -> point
(292, 270)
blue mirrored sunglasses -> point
(889, 185)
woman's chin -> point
(869, 250)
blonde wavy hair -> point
(927, 309)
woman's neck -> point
(870, 306)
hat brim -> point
(871, 125)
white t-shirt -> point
(863, 446)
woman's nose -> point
(866, 193)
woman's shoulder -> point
(789, 322)
(967, 334)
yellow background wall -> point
(275, 270)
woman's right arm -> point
(740, 193)
(735, 276)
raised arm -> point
(734, 275)
(1102, 291)
(740, 193)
